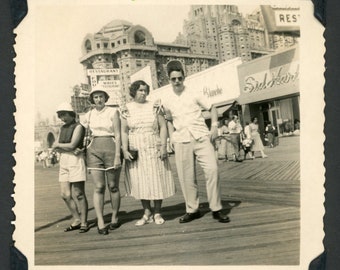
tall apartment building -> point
(222, 31)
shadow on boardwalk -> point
(261, 195)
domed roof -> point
(115, 24)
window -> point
(98, 45)
(124, 41)
(105, 45)
(112, 44)
(88, 46)
(140, 37)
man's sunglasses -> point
(173, 79)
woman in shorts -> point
(72, 172)
(103, 156)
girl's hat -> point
(65, 107)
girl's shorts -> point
(72, 168)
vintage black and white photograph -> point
(169, 134)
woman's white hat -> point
(65, 107)
(98, 88)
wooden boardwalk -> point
(262, 196)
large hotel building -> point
(211, 35)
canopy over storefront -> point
(269, 77)
(221, 107)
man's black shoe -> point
(190, 217)
(220, 217)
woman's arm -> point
(164, 135)
(75, 140)
(171, 130)
(125, 139)
(117, 132)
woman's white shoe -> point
(158, 219)
(144, 220)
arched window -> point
(139, 37)
(235, 22)
(88, 46)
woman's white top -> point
(100, 122)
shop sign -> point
(270, 76)
(106, 79)
(281, 18)
(279, 76)
(101, 71)
(287, 17)
(109, 83)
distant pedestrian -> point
(192, 141)
(43, 158)
(221, 142)
(276, 136)
(235, 130)
(53, 158)
(247, 141)
(255, 135)
(144, 130)
(72, 172)
(270, 130)
(296, 127)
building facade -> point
(120, 49)
(222, 31)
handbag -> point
(134, 153)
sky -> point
(61, 29)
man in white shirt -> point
(191, 140)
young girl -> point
(72, 172)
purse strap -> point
(87, 133)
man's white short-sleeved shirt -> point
(185, 110)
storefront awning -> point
(220, 110)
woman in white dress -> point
(144, 130)
(255, 135)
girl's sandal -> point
(84, 229)
(72, 228)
